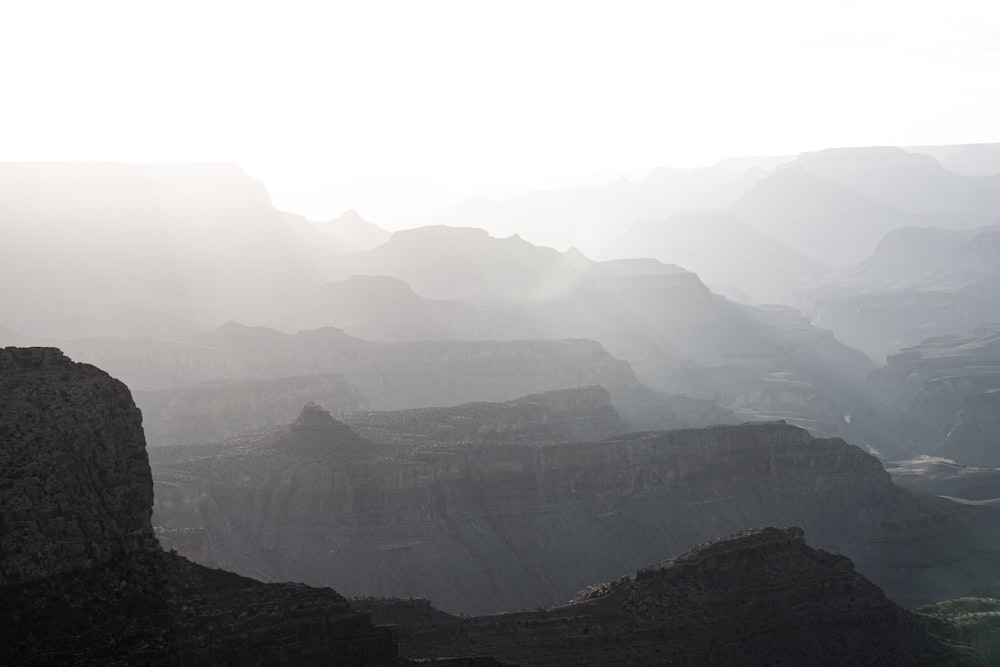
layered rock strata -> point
(484, 527)
(562, 415)
(391, 376)
(945, 394)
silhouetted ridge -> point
(730, 552)
(759, 597)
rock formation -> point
(390, 375)
(167, 251)
(945, 395)
(492, 526)
(215, 411)
(563, 415)
(920, 283)
(82, 578)
(834, 205)
(91, 586)
(761, 597)
(971, 621)
(722, 249)
(383, 308)
(72, 419)
(351, 232)
(655, 316)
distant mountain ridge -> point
(920, 283)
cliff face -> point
(488, 527)
(945, 394)
(75, 484)
(755, 598)
(82, 578)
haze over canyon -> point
(741, 414)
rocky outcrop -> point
(160, 609)
(760, 597)
(83, 578)
(483, 527)
(75, 485)
(218, 410)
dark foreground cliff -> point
(82, 578)
(73, 419)
(762, 597)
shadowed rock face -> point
(75, 485)
(82, 578)
(758, 597)
(483, 527)
(945, 394)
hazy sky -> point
(396, 106)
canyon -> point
(490, 525)
(454, 420)
(72, 441)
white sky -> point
(394, 107)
